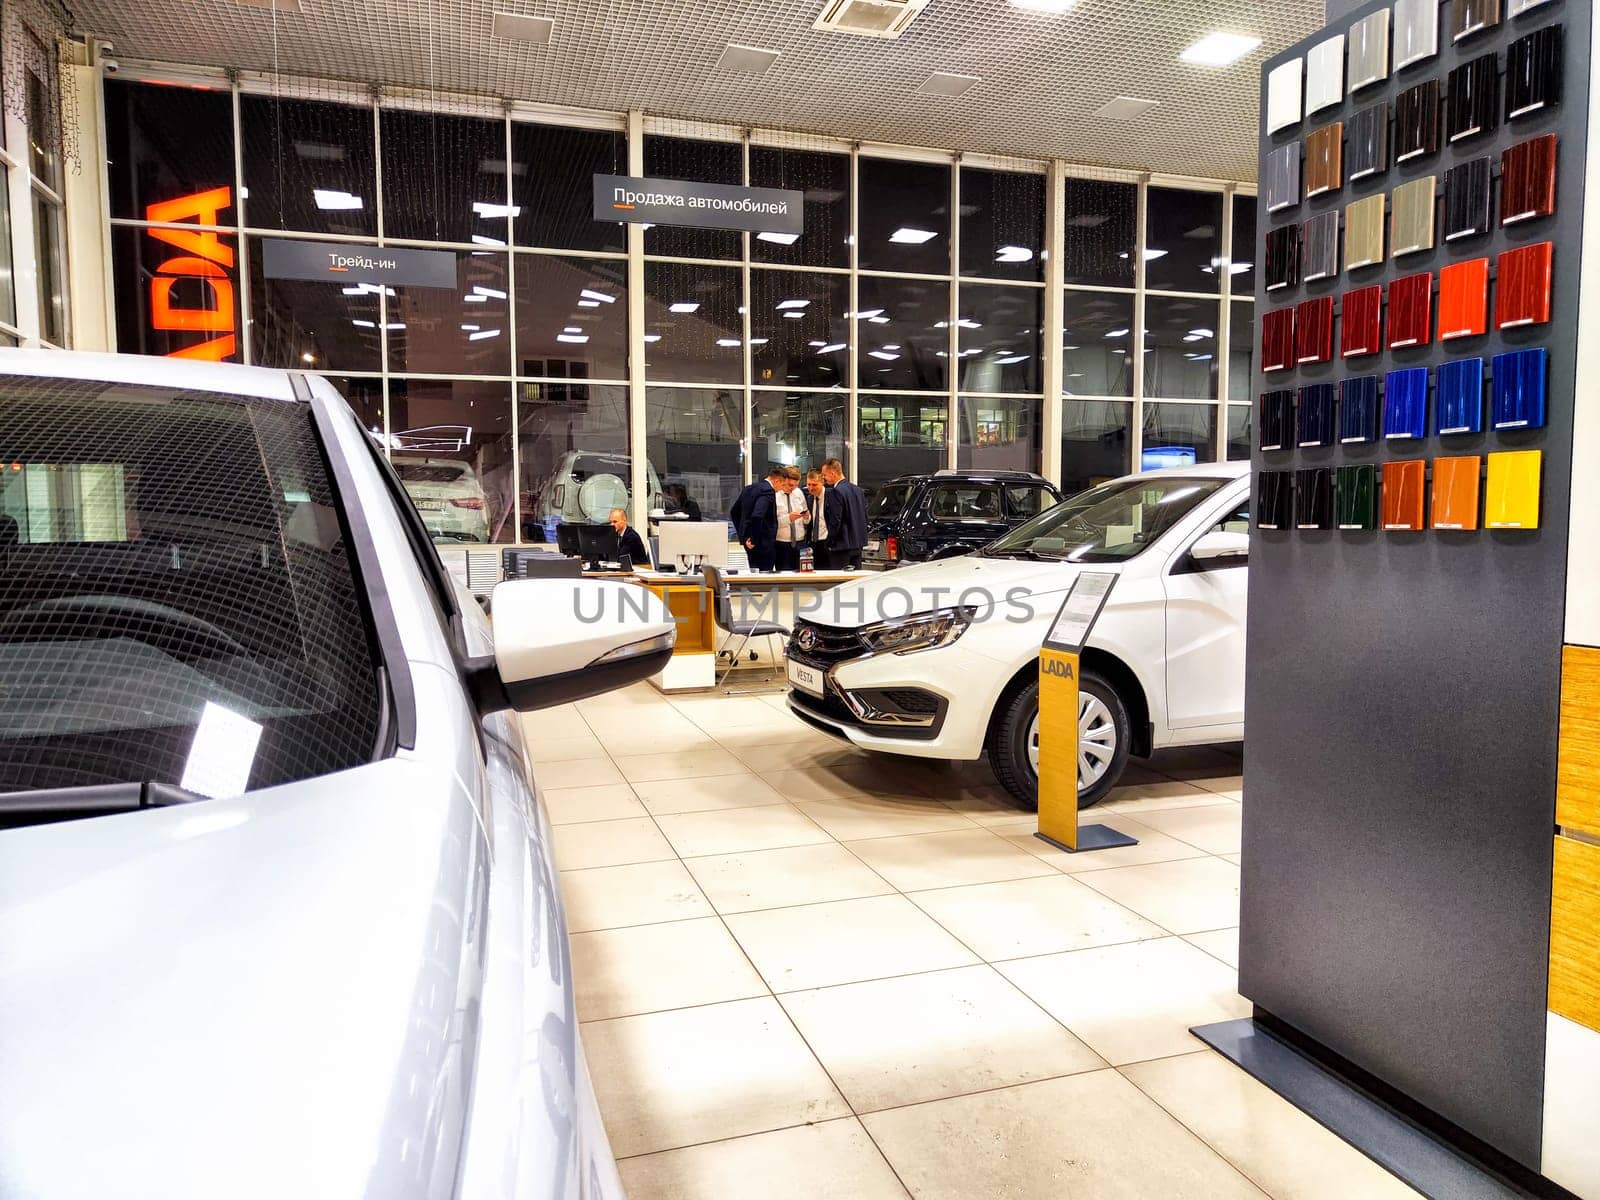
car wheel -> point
(1103, 734)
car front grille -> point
(823, 645)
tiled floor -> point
(807, 972)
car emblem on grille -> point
(806, 639)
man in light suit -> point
(846, 542)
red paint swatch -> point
(1403, 482)
(1360, 321)
(1411, 311)
(1277, 339)
(1464, 299)
(1528, 180)
(1313, 330)
(1522, 288)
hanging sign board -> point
(697, 205)
(354, 262)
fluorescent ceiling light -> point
(479, 239)
(591, 294)
(814, 345)
(685, 306)
(652, 337)
(588, 304)
(759, 341)
(968, 323)
(334, 201)
(884, 355)
(572, 329)
(1149, 254)
(1013, 254)
(480, 290)
(779, 239)
(912, 237)
(490, 211)
(795, 316)
(1220, 49)
(783, 304)
(869, 313)
(482, 334)
(728, 342)
(832, 349)
(575, 338)
(1203, 332)
(896, 346)
(878, 320)
(474, 299)
(395, 325)
(1116, 333)
(470, 328)
(1008, 361)
(364, 324)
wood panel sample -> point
(1533, 72)
(1416, 121)
(1360, 322)
(1528, 180)
(1578, 758)
(1369, 50)
(1363, 234)
(1313, 330)
(1522, 286)
(1411, 310)
(1277, 339)
(1411, 217)
(1472, 106)
(1575, 932)
(1466, 199)
(1369, 142)
(1325, 160)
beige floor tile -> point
(736, 736)
(576, 773)
(847, 941)
(1219, 943)
(1214, 828)
(566, 749)
(854, 817)
(953, 859)
(1236, 859)
(924, 1037)
(987, 805)
(563, 721)
(1135, 1001)
(608, 802)
(665, 796)
(773, 757)
(740, 830)
(835, 1160)
(1094, 1136)
(641, 894)
(1152, 847)
(648, 968)
(610, 844)
(657, 736)
(680, 764)
(1154, 797)
(1024, 917)
(736, 883)
(1284, 1151)
(874, 776)
(717, 712)
(694, 1075)
(1191, 895)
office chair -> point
(722, 616)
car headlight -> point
(926, 631)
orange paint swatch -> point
(1455, 492)
(1401, 506)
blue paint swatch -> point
(1459, 405)
(1405, 403)
(1517, 398)
(1314, 424)
(1358, 409)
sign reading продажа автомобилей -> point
(700, 205)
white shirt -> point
(821, 534)
(788, 502)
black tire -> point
(1008, 741)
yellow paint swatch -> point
(1512, 494)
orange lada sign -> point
(200, 256)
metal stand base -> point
(1093, 837)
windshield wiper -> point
(94, 800)
(1020, 552)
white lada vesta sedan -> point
(940, 660)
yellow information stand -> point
(1058, 720)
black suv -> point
(917, 518)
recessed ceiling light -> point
(1013, 254)
(685, 306)
(515, 28)
(942, 83)
(912, 237)
(1125, 108)
(600, 297)
(652, 337)
(1220, 49)
(783, 304)
(781, 239)
(750, 60)
(334, 201)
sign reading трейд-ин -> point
(354, 262)
(700, 205)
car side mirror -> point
(1219, 546)
(559, 640)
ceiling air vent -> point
(870, 18)
(1125, 108)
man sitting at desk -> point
(628, 540)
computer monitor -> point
(570, 537)
(705, 541)
(598, 543)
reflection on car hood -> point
(971, 579)
(249, 997)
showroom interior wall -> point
(567, 341)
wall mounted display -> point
(1277, 339)
(1466, 199)
(1281, 181)
(1528, 180)
(1416, 121)
(1319, 250)
(1472, 98)
(1473, 16)
(1283, 257)
(1522, 286)
(1355, 497)
(1369, 50)
(1275, 419)
(1405, 404)
(1455, 492)
(1402, 497)
(1369, 143)
(1515, 8)
(1464, 299)
(1283, 96)
(1358, 409)
(1315, 418)
(1416, 31)
(1411, 311)
(1458, 405)
(1275, 500)
(1363, 234)
(1516, 398)
(1325, 74)
(1511, 494)
(1533, 72)
(1360, 319)
(1325, 160)
(1313, 498)
(1411, 217)
(1313, 330)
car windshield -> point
(888, 501)
(169, 556)
(1111, 523)
(414, 472)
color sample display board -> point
(1406, 612)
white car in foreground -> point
(940, 660)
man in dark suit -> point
(850, 538)
(827, 513)
(755, 516)
(628, 540)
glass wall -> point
(907, 328)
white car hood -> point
(248, 997)
(971, 579)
